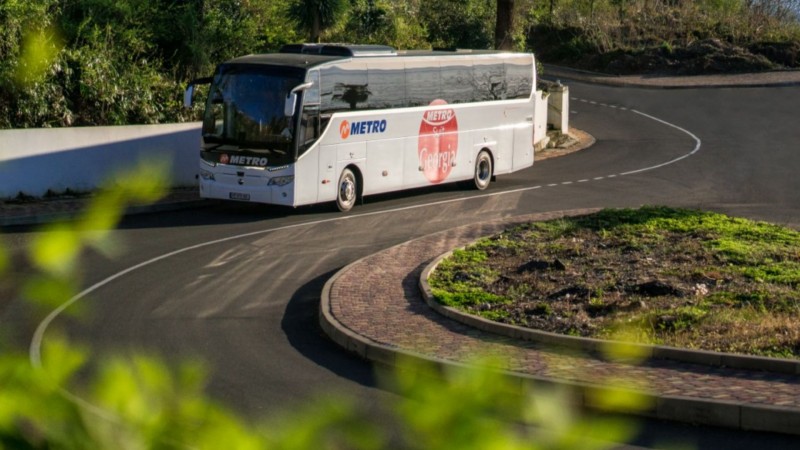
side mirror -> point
(291, 99)
(188, 96)
(289, 106)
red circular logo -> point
(438, 142)
(344, 129)
(224, 158)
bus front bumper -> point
(255, 193)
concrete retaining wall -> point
(82, 158)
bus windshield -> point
(245, 109)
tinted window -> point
(344, 89)
(490, 80)
(311, 95)
(387, 86)
(422, 83)
(519, 78)
(458, 85)
(245, 107)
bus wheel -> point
(348, 190)
(483, 170)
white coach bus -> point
(319, 122)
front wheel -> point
(483, 171)
(348, 190)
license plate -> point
(239, 196)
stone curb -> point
(45, 218)
(746, 80)
(676, 408)
(591, 345)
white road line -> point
(35, 350)
(697, 145)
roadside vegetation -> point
(112, 62)
(656, 275)
(684, 37)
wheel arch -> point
(489, 151)
(359, 179)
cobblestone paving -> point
(378, 298)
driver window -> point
(309, 119)
(309, 127)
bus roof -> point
(301, 61)
(305, 56)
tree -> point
(316, 15)
(504, 25)
(452, 24)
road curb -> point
(676, 408)
(63, 216)
(785, 78)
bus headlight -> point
(280, 181)
(206, 175)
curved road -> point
(240, 285)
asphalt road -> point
(238, 285)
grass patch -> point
(679, 277)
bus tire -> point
(483, 170)
(347, 190)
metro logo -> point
(240, 160)
(439, 117)
(364, 127)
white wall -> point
(558, 108)
(82, 158)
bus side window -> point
(423, 83)
(490, 80)
(519, 78)
(458, 84)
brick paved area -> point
(378, 299)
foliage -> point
(315, 16)
(459, 24)
(104, 62)
(468, 409)
(381, 22)
(575, 30)
(123, 62)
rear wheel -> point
(483, 170)
(347, 191)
